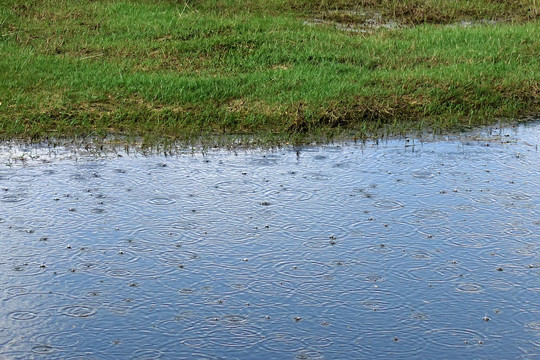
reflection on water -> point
(397, 250)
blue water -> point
(402, 249)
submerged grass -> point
(277, 69)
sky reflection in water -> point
(399, 250)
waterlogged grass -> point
(274, 69)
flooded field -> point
(403, 249)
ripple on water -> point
(266, 160)
(354, 301)
(186, 291)
(105, 257)
(533, 325)
(471, 240)
(455, 338)
(283, 342)
(147, 354)
(434, 274)
(382, 300)
(317, 342)
(58, 340)
(161, 201)
(240, 186)
(435, 230)
(12, 198)
(390, 344)
(172, 327)
(527, 250)
(423, 174)
(382, 249)
(183, 237)
(78, 311)
(43, 349)
(518, 232)
(184, 225)
(309, 355)
(469, 287)
(6, 335)
(430, 213)
(302, 268)
(27, 269)
(286, 194)
(22, 315)
(212, 334)
(375, 278)
(15, 290)
(234, 319)
(119, 307)
(189, 355)
(270, 287)
(520, 196)
(317, 176)
(25, 176)
(420, 255)
(118, 272)
(388, 204)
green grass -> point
(274, 69)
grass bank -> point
(278, 70)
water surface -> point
(403, 249)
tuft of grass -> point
(172, 70)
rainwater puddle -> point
(402, 249)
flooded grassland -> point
(403, 249)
